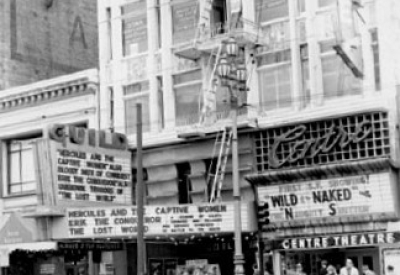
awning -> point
(304, 173)
(6, 249)
(46, 211)
(36, 246)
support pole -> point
(141, 259)
(238, 259)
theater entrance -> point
(362, 257)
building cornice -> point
(48, 91)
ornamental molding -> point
(46, 94)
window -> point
(267, 10)
(109, 33)
(305, 75)
(21, 168)
(187, 87)
(159, 22)
(111, 108)
(130, 113)
(326, 3)
(275, 84)
(185, 17)
(338, 80)
(160, 102)
(275, 80)
(375, 52)
(301, 6)
(218, 17)
(136, 88)
(134, 28)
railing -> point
(243, 28)
(187, 120)
(221, 116)
(224, 29)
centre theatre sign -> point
(323, 142)
(346, 240)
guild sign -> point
(85, 165)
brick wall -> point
(39, 42)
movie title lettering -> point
(122, 221)
(90, 176)
(338, 197)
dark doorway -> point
(184, 184)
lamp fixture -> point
(232, 47)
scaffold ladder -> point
(209, 92)
(222, 146)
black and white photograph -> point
(200, 137)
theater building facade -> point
(26, 113)
(331, 187)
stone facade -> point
(44, 39)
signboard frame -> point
(160, 221)
(366, 239)
(329, 199)
(62, 158)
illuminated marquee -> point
(323, 142)
(158, 220)
(335, 197)
(89, 165)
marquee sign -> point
(346, 240)
(159, 221)
(85, 165)
(336, 197)
(322, 142)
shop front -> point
(20, 248)
(363, 249)
(330, 191)
(330, 220)
(75, 167)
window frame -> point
(305, 74)
(376, 58)
(260, 70)
(109, 20)
(126, 52)
(258, 14)
(301, 4)
(286, 54)
(339, 93)
(196, 85)
(176, 40)
(6, 165)
(181, 85)
(146, 127)
(327, 7)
